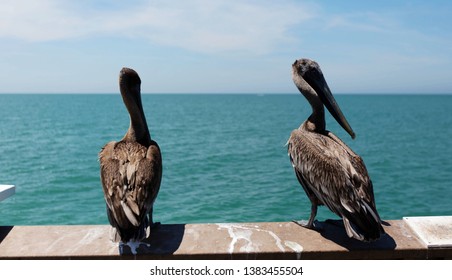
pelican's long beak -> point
(321, 87)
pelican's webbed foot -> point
(315, 225)
(304, 223)
(311, 224)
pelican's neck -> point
(316, 121)
(138, 130)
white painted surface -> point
(251, 238)
(6, 191)
(435, 232)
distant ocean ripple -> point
(224, 156)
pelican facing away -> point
(328, 170)
(131, 169)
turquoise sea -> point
(224, 156)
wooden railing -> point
(274, 240)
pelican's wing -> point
(148, 177)
(337, 179)
(316, 166)
(110, 177)
(357, 172)
(130, 176)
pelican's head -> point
(129, 81)
(304, 65)
(130, 87)
(309, 79)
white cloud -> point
(203, 26)
(365, 22)
(37, 21)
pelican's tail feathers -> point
(131, 233)
(364, 225)
(142, 232)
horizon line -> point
(223, 93)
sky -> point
(224, 46)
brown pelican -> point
(328, 170)
(131, 169)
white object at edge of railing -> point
(6, 191)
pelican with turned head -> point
(131, 169)
(328, 170)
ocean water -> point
(224, 156)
